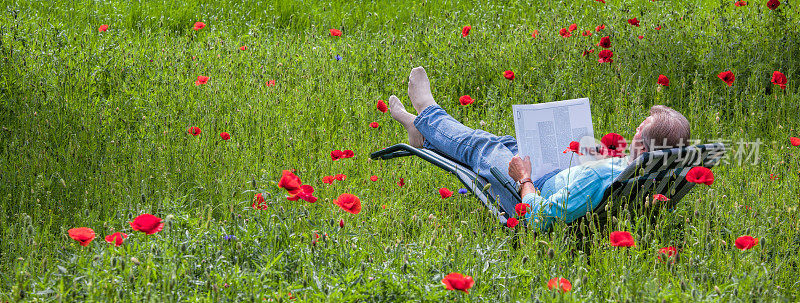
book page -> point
(545, 130)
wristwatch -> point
(523, 181)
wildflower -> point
(599, 27)
(605, 56)
(512, 222)
(271, 83)
(535, 33)
(349, 203)
(340, 177)
(194, 130)
(335, 32)
(640, 37)
(259, 202)
(633, 22)
(457, 281)
(746, 242)
(229, 238)
(83, 235)
(243, 47)
(663, 80)
(658, 28)
(794, 141)
(116, 238)
(382, 106)
(574, 147)
(727, 77)
(773, 4)
(586, 52)
(660, 197)
(621, 239)
(773, 177)
(740, 3)
(508, 74)
(562, 284)
(198, 26)
(306, 193)
(465, 100)
(668, 252)
(328, 179)
(613, 145)
(573, 27)
(373, 178)
(779, 79)
(601, 1)
(521, 209)
(338, 57)
(201, 80)
(102, 28)
(290, 182)
(465, 30)
(225, 136)
(445, 193)
(700, 175)
(341, 223)
(401, 182)
(587, 33)
(374, 125)
(564, 33)
(147, 224)
(605, 42)
(463, 191)
(337, 154)
(348, 153)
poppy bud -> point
(459, 239)
(716, 289)
(135, 260)
(524, 260)
(683, 286)
(487, 187)
(239, 245)
(341, 223)
(550, 253)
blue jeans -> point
(478, 149)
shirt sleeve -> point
(567, 204)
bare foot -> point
(399, 113)
(419, 89)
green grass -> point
(93, 133)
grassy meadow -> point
(93, 133)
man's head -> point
(664, 128)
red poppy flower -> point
(574, 147)
(341, 223)
(198, 26)
(794, 141)
(605, 56)
(700, 174)
(658, 28)
(258, 202)
(587, 33)
(508, 74)
(562, 284)
(535, 33)
(660, 197)
(83, 235)
(573, 27)
(779, 79)
(337, 154)
(465, 31)
(270, 83)
(613, 145)
(773, 4)
(621, 239)
(601, 1)
(586, 52)
(740, 3)
(194, 130)
(243, 47)
(521, 209)
(147, 224)
(633, 22)
(290, 182)
(373, 178)
(335, 32)
(457, 281)
(306, 193)
(727, 76)
(773, 177)
(445, 193)
(349, 203)
(201, 80)
(599, 27)
(401, 182)
(102, 28)
(746, 242)
(225, 136)
(374, 125)
(512, 222)
(465, 100)
(663, 80)
(328, 179)
(640, 37)
(348, 153)
(116, 238)
(340, 177)
(564, 33)
(382, 106)
(668, 252)
(605, 42)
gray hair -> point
(668, 129)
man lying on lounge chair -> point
(565, 195)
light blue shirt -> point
(573, 192)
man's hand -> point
(519, 168)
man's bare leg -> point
(419, 89)
(405, 118)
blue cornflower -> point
(338, 58)
(463, 191)
(229, 237)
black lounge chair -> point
(657, 172)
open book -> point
(545, 130)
